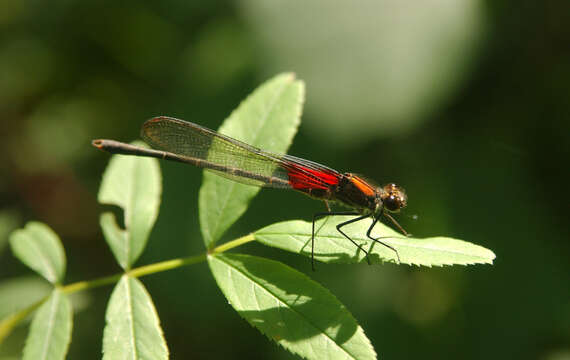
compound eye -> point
(392, 203)
(393, 197)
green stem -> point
(166, 265)
(8, 323)
(232, 244)
(84, 285)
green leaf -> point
(134, 184)
(332, 247)
(16, 299)
(50, 332)
(39, 248)
(132, 328)
(19, 293)
(291, 309)
(267, 119)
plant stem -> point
(232, 244)
(8, 323)
(90, 284)
(156, 267)
(166, 265)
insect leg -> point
(377, 239)
(362, 217)
(321, 215)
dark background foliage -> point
(466, 105)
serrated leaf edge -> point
(481, 258)
(321, 331)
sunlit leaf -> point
(134, 184)
(39, 248)
(18, 293)
(132, 328)
(267, 119)
(291, 309)
(19, 297)
(332, 247)
(50, 332)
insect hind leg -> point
(325, 214)
(377, 240)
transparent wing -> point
(234, 159)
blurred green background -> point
(464, 103)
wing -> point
(234, 159)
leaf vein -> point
(301, 315)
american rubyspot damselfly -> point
(183, 141)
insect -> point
(186, 142)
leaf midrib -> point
(50, 322)
(410, 246)
(233, 183)
(286, 305)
